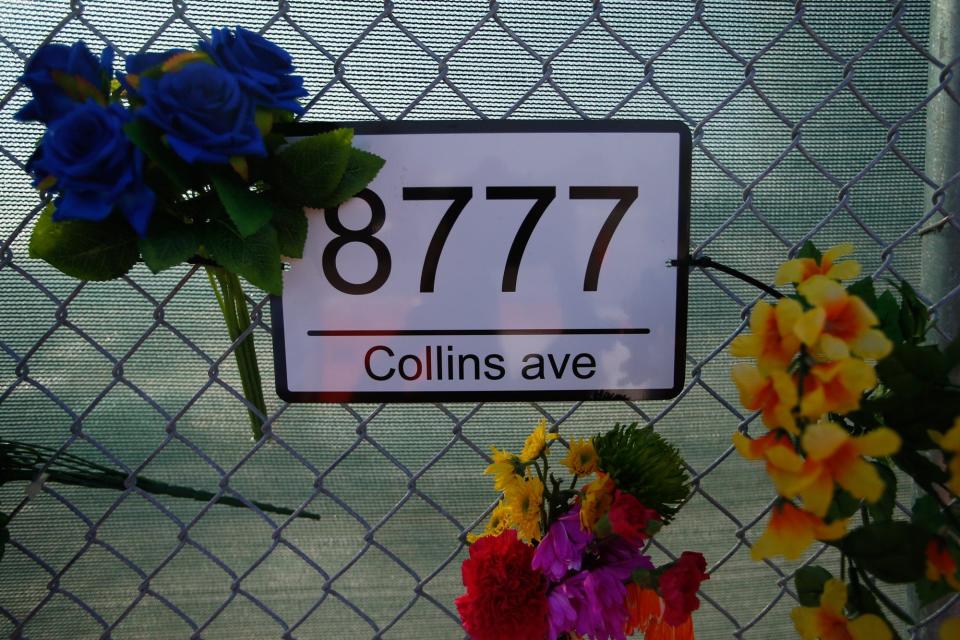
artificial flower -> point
(203, 112)
(645, 614)
(834, 456)
(561, 614)
(679, 585)
(950, 629)
(950, 442)
(524, 501)
(828, 621)
(941, 564)
(581, 458)
(264, 70)
(498, 523)
(504, 469)
(561, 549)
(791, 530)
(61, 77)
(777, 450)
(595, 500)
(840, 323)
(800, 270)
(836, 387)
(773, 394)
(505, 597)
(94, 167)
(629, 517)
(599, 599)
(536, 442)
(772, 340)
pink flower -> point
(679, 585)
(561, 550)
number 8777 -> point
(459, 197)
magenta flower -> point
(561, 550)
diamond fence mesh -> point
(808, 121)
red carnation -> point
(678, 587)
(505, 597)
(629, 518)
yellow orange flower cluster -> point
(810, 360)
(829, 620)
(521, 506)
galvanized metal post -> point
(940, 242)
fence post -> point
(940, 245)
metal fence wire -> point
(809, 122)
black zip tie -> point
(705, 262)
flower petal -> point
(861, 479)
(879, 442)
(834, 596)
(869, 627)
(809, 327)
(822, 440)
(873, 344)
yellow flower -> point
(950, 441)
(503, 469)
(802, 269)
(581, 458)
(950, 629)
(523, 500)
(536, 442)
(836, 387)
(791, 530)
(498, 523)
(776, 448)
(839, 324)
(834, 456)
(596, 500)
(774, 394)
(772, 340)
(828, 621)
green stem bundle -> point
(233, 304)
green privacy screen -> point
(807, 120)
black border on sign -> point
(507, 126)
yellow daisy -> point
(523, 500)
(537, 442)
(581, 458)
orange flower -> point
(839, 324)
(772, 340)
(950, 629)
(836, 387)
(940, 564)
(950, 442)
(834, 456)
(828, 621)
(800, 270)
(645, 614)
(776, 448)
(791, 530)
(774, 394)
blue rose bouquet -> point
(179, 159)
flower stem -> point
(233, 305)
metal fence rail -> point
(808, 122)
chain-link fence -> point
(809, 121)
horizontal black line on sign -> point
(476, 332)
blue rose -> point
(137, 63)
(262, 68)
(61, 77)
(203, 112)
(97, 169)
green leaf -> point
(882, 509)
(4, 533)
(308, 171)
(291, 224)
(255, 257)
(933, 407)
(865, 290)
(150, 141)
(842, 506)
(249, 211)
(169, 242)
(809, 581)
(928, 592)
(888, 313)
(911, 369)
(809, 250)
(86, 250)
(926, 513)
(860, 601)
(892, 551)
(362, 168)
(914, 317)
(951, 354)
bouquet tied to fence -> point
(178, 158)
(561, 561)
